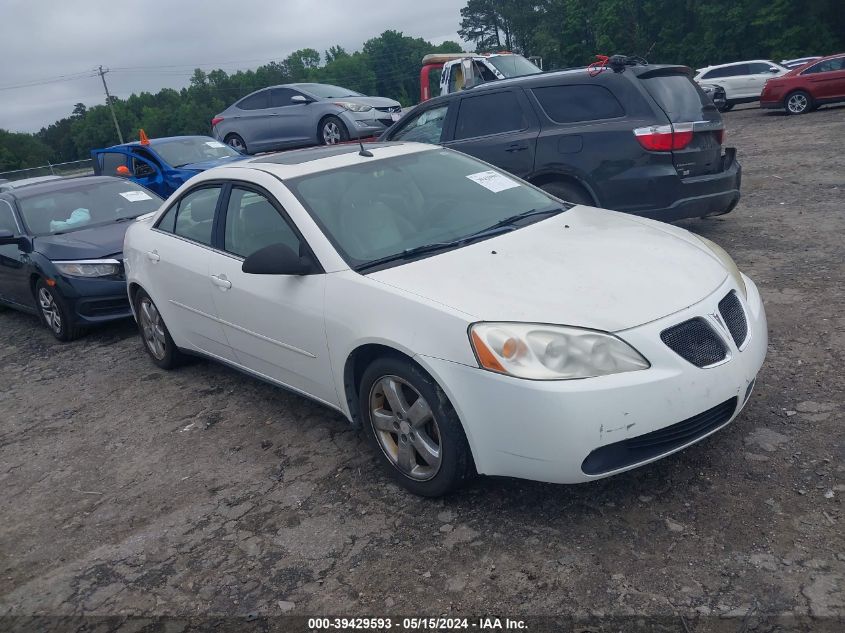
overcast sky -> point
(47, 39)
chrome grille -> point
(390, 109)
(734, 316)
(696, 342)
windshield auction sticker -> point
(135, 196)
(493, 180)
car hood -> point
(209, 164)
(98, 241)
(376, 102)
(586, 267)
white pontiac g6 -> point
(468, 321)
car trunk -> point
(689, 110)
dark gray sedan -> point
(298, 115)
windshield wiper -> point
(410, 253)
(510, 221)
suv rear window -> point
(677, 96)
(568, 104)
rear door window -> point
(193, 216)
(569, 104)
(678, 97)
(257, 101)
(488, 114)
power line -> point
(42, 82)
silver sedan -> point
(298, 115)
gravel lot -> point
(129, 490)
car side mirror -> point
(470, 80)
(774, 70)
(7, 238)
(279, 259)
(299, 99)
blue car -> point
(163, 164)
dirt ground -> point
(127, 490)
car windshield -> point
(178, 152)
(85, 205)
(382, 208)
(513, 65)
(327, 91)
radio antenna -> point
(364, 152)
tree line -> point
(564, 33)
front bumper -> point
(366, 124)
(94, 301)
(545, 430)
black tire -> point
(160, 347)
(332, 131)
(54, 313)
(235, 141)
(726, 107)
(568, 192)
(439, 428)
(798, 102)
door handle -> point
(221, 282)
(516, 148)
(153, 256)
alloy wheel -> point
(405, 429)
(52, 315)
(331, 133)
(797, 103)
(152, 328)
(236, 143)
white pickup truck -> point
(464, 70)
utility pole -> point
(102, 74)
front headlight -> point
(551, 352)
(728, 262)
(89, 268)
(354, 107)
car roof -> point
(294, 163)
(26, 182)
(157, 141)
(60, 184)
(745, 61)
(549, 77)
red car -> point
(807, 87)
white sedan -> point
(467, 320)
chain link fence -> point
(72, 168)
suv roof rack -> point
(616, 63)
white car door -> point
(274, 323)
(759, 74)
(178, 258)
(736, 81)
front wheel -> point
(154, 333)
(414, 428)
(799, 102)
(333, 131)
(727, 106)
(54, 313)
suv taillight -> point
(664, 138)
(216, 120)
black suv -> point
(639, 138)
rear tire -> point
(568, 192)
(798, 102)
(154, 333)
(236, 142)
(413, 427)
(54, 313)
(332, 131)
